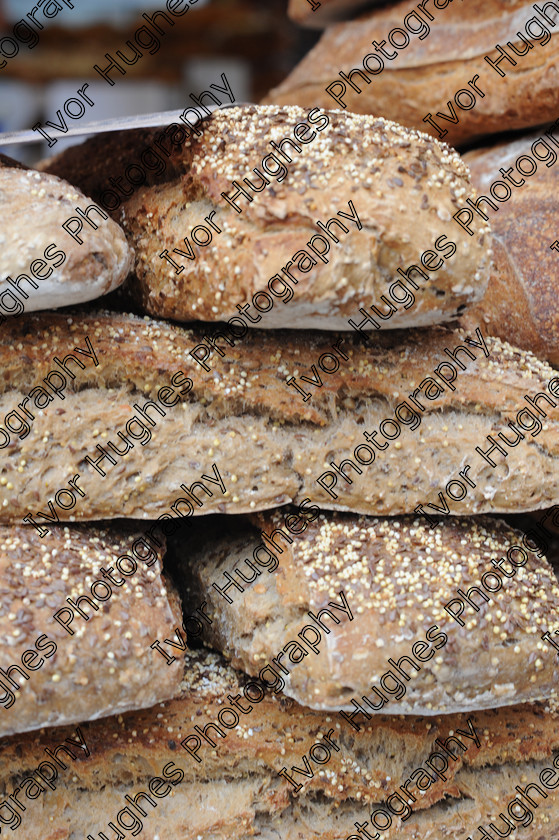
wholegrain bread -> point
(269, 445)
(397, 576)
(236, 792)
(428, 72)
(102, 668)
(48, 266)
(404, 188)
(521, 304)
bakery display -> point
(433, 74)
(339, 476)
(77, 614)
(59, 248)
(521, 303)
(400, 411)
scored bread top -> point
(521, 304)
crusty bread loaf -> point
(521, 304)
(404, 188)
(317, 14)
(102, 668)
(235, 791)
(269, 445)
(427, 73)
(48, 266)
(397, 576)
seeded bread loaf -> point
(391, 192)
(521, 304)
(103, 667)
(42, 265)
(447, 51)
(236, 792)
(351, 595)
(269, 445)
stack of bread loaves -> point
(384, 657)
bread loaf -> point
(434, 56)
(92, 659)
(268, 444)
(521, 304)
(54, 256)
(391, 193)
(352, 595)
(236, 791)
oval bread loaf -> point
(42, 265)
(372, 591)
(392, 193)
(90, 663)
(269, 445)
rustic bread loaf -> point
(236, 792)
(422, 77)
(317, 14)
(383, 585)
(402, 187)
(268, 444)
(101, 669)
(47, 267)
(521, 304)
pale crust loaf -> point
(258, 430)
(33, 208)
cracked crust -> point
(102, 668)
(268, 444)
(397, 575)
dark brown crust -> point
(102, 668)
(90, 164)
(522, 302)
(426, 74)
